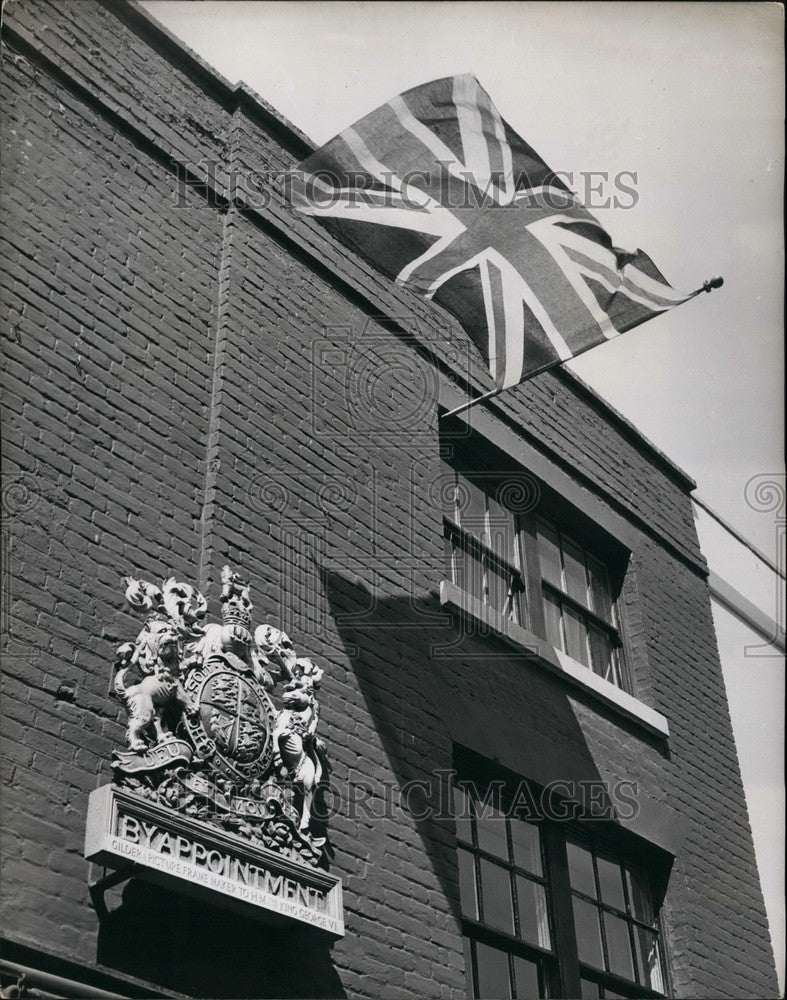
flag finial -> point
(712, 283)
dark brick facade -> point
(190, 380)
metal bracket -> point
(98, 887)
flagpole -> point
(472, 402)
(706, 286)
(501, 388)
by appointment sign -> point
(219, 867)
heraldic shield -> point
(204, 735)
(234, 722)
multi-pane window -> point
(579, 612)
(503, 890)
(530, 566)
(616, 928)
(544, 912)
(483, 540)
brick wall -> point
(192, 380)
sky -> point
(688, 96)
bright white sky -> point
(687, 95)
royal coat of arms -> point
(204, 734)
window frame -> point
(589, 617)
(560, 971)
(604, 977)
(475, 930)
(525, 604)
(514, 564)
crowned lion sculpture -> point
(148, 683)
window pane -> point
(618, 946)
(499, 589)
(552, 619)
(648, 959)
(491, 830)
(576, 636)
(549, 555)
(469, 573)
(532, 907)
(472, 506)
(493, 978)
(501, 531)
(580, 869)
(462, 814)
(590, 991)
(526, 978)
(599, 589)
(574, 568)
(448, 548)
(588, 933)
(467, 892)
(496, 897)
(615, 675)
(602, 654)
(448, 490)
(527, 845)
(639, 895)
(468, 966)
(610, 882)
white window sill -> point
(577, 675)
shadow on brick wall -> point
(388, 643)
(432, 689)
(202, 951)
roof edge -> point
(230, 95)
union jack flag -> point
(438, 192)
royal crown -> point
(236, 603)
